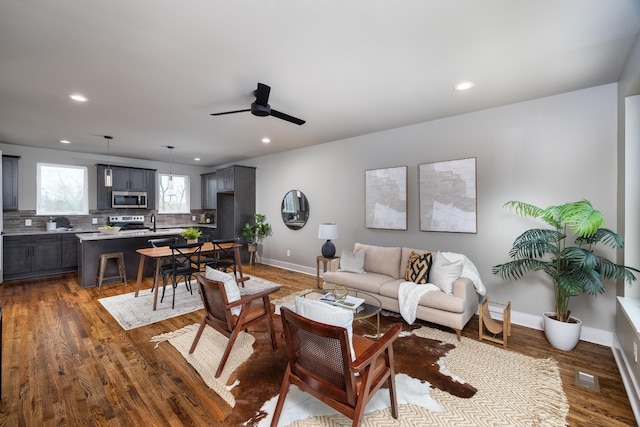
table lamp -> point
(328, 231)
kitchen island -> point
(91, 245)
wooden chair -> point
(320, 364)
(185, 262)
(217, 308)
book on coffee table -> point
(349, 302)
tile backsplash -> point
(14, 221)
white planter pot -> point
(561, 335)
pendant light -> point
(170, 185)
(108, 172)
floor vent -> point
(587, 380)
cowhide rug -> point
(259, 378)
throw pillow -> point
(418, 268)
(444, 272)
(328, 314)
(230, 286)
(352, 262)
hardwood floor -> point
(67, 362)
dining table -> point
(165, 252)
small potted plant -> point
(573, 267)
(191, 234)
(256, 232)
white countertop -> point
(129, 233)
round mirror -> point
(295, 209)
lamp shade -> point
(328, 231)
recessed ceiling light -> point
(463, 86)
(266, 140)
(65, 141)
(78, 97)
(197, 159)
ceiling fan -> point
(260, 107)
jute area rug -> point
(449, 382)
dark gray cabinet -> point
(126, 179)
(69, 251)
(129, 179)
(226, 179)
(237, 207)
(10, 183)
(209, 190)
(32, 255)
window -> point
(62, 190)
(176, 199)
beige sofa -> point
(384, 271)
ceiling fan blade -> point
(287, 117)
(230, 112)
(262, 94)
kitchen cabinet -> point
(10, 182)
(225, 178)
(69, 246)
(32, 255)
(126, 179)
(209, 190)
(129, 179)
(238, 207)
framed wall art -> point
(386, 198)
(448, 196)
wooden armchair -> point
(320, 364)
(218, 314)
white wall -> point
(547, 151)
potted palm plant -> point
(256, 232)
(565, 253)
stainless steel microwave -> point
(128, 199)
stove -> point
(128, 222)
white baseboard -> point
(630, 384)
(588, 334)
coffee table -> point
(372, 305)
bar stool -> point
(102, 266)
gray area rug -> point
(133, 312)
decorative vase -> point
(51, 226)
(190, 241)
(561, 335)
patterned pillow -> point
(418, 268)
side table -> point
(325, 261)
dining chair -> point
(230, 316)
(185, 262)
(156, 243)
(321, 364)
(224, 255)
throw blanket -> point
(469, 270)
(409, 295)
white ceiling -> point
(154, 69)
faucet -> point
(153, 221)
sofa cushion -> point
(418, 268)
(352, 261)
(436, 299)
(444, 272)
(406, 253)
(383, 260)
(368, 282)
